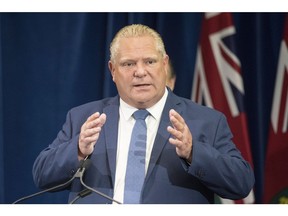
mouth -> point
(141, 85)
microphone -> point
(55, 187)
(81, 194)
(84, 164)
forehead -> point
(137, 42)
(137, 46)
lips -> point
(140, 85)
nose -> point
(140, 70)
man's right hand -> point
(89, 134)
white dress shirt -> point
(126, 123)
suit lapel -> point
(111, 133)
(111, 109)
(162, 136)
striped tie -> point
(135, 172)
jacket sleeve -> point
(58, 162)
(218, 164)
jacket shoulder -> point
(201, 111)
(93, 106)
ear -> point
(166, 63)
(112, 69)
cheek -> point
(122, 79)
(117, 76)
(161, 78)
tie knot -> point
(140, 114)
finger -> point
(86, 141)
(176, 124)
(93, 116)
(175, 133)
(176, 120)
(172, 112)
(91, 132)
(92, 124)
(95, 120)
(89, 123)
(175, 142)
(102, 119)
(90, 140)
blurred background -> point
(51, 62)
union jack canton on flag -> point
(218, 82)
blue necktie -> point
(135, 172)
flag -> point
(276, 165)
(218, 82)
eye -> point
(128, 64)
(150, 61)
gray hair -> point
(135, 30)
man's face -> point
(139, 71)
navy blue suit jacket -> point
(217, 166)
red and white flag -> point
(218, 82)
(276, 166)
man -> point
(189, 153)
(171, 76)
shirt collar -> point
(155, 111)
